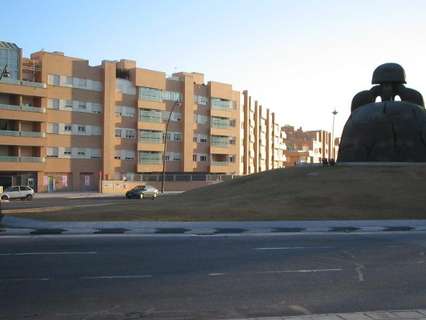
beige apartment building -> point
(65, 125)
(308, 146)
(262, 140)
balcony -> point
(221, 163)
(150, 116)
(150, 137)
(24, 83)
(22, 138)
(15, 163)
(21, 108)
(13, 133)
(21, 159)
(23, 87)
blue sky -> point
(301, 59)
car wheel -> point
(29, 197)
(5, 198)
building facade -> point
(262, 140)
(65, 125)
(308, 146)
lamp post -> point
(163, 177)
(332, 133)
(4, 73)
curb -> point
(419, 314)
(214, 232)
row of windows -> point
(150, 157)
(151, 136)
(73, 153)
(125, 86)
(125, 111)
(150, 115)
(124, 154)
(151, 94)
(74, 82)
(125, 133)
(74, 129)
(74, 105)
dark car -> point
(140, 192)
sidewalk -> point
(84, 195)
(377, 315)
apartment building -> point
(262, 140)
(65, 125)
(309, 146)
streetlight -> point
(332, 133)
(4, 73)
(163, 178)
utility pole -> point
(332, 134)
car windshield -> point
(11, 189)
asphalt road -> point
(129, 277)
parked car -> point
(140, 192)
(17, 192)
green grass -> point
(282, 194)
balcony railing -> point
(24, 83)
(219, 142)
(151, 137)
(21, 159)
(220, 163)
(221, 124)
(22, 108)
(14, 133)
(149, 116)
(149, 161)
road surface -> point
(140, 277)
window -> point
(130, 133)
(67, 81)
(95, 153)
(96, 108)
(171, 96)
(118, 133)
(54, 79)
(81, 152)
(203, 157)
(117, 154)
(68, 104)
(67, 151)
(201, 100)
(82, 105)
(52, 152)
(52, 128)
(194, 139)
(81, 129)
(203, 138)
(150, 94)
(53, 104)
(67, 128)
(95, 130)
(176, 156)
(177, 136)
(194, 157)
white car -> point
(17, 192)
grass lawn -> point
(282, 194)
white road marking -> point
(216, 274)
(300, 271)
(291, 248)
(359, 267)
(298, 308)
(136, 276)
(24, 279)
(47, 253)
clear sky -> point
(301, 59)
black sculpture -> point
(390, 130)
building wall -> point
(108, 121)
(263, 143)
